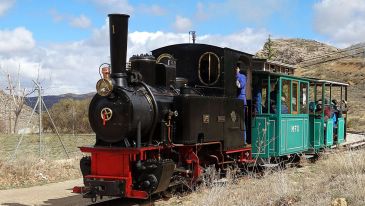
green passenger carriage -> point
(292, 118)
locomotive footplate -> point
(114, 188)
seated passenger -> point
(334, 113)
(312, 107)
(257, 99)
(273, 102)
(284, 107)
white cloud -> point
(80, 22)
(115, 6)
(182, 24)
(66, 67)
(155, 10)
(248, 40)
(17, 40)
(342, 21)
(5, 5)
(73, 66)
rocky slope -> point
(294, 51)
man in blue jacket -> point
(241, 85)
(241, 92)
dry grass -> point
(29, 169)
(340, 175)
(51, 147)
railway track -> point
(352, 144)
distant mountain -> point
(50, 100)
(356, 49)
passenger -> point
(334, 112)
(273, 100)
(327, 110)
(241, 84)
(312, 107)
(257, 98)
(284, 107)
(273, 105)
(241, 93)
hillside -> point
(50, 100)
(7, 115)
(293, 51)
(350, 70)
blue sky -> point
(65, 41)
(49, 21)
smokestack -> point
(118, 30)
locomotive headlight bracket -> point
(104, 87)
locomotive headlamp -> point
(104, 87)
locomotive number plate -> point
(206, 118)
(221, 118)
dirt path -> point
(58, 194)
(50, 194)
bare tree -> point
(18, 95)
(2, 112)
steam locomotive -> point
(172, 114)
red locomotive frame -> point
(114, 164)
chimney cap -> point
(123, 15)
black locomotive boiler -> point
(154, 123)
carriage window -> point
(303, 98)
(209, 68)
(285, 97)
(294, 98)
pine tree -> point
(268, 49)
